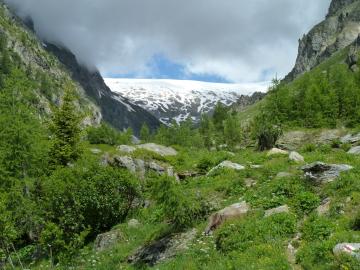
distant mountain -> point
(179, 99)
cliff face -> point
(340, 29)
(115, 109)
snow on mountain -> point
(179, 99)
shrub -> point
(305, 202)
(316, 256)
(317, 228)
(105, 134)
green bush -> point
(87, 197)
(317, 228)
(316, 256)
(105, 134)
(305, 202)
(308, 148)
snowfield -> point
(179, 99)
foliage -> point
(317, 228)
(145, 133)
(66, 131)
(305, 202)
(105, 134)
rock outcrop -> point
(277, 210)
(355, 150)
(107, 240)
(226, 164)
(340, 29)
(296, 157)
(323, 173)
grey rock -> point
(227, 164)
(353, 249)
(107, 240)
(135, 140)
(254, 166)
(296, 157)
(283, 175)
(277, 210)
(133, 223)
(152, 165)
(324, 208)
(159, 149)
(95, 151)
(125, 162)
(355, 150)
(126, 148)
(349, 138)
(250, 182)
(323, 173)
(163, 249)
(277, 151)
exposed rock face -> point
(163, 249)
(115, 109)
(236, 210)
(348, 248)
(324, 173)
(107, 240)
(277, 210)
(340, 29)
(227, 164)
(349, 138)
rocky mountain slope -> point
(340, 29)
(179, 99)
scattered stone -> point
(277, 210)
(324, 208)
(256, 166)
(163, 249)
(107, 240)
(283, 175)
(277, 151)
(133, 223)
(227, 164)
(351, 138)
(296, 157)
(324, 173)
(250, 182)
(355, 150)
(159, 149)
(350, 248)
(236, 210)
(126, 148)
(95, 151)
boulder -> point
(126, 148)
(236, 210)
(227, 164)
(159, 149)
(277, 210)
(277, 151)
(324, 208)
(349, 138)
(296, 157)
(125, 162)
(133, 223)
(107, 240)
(355, 150)
(323, 173)
(250, 182)
(353, 249)
(163, 249)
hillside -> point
(179, 99)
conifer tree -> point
(66, 131)
(145, 133)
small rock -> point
(133, 223)
(324, 208)
(125, 162)
(95, 151)
(277, 210)
(296, 157)
(350, 248)
(256, 166)
(324, 173)
(355, 150)
(350, 138)
(126, 148)
(250, 182)
(159, 149)
(152, 165)
(227, 164)
(277, 151)
(107, 240)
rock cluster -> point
(323, 173)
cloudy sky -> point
(212, 40)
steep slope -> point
(116, 110)
(179, 99)
(340, 28)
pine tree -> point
(145, 133)
(219, 116)
(66, 131)
(232, 130)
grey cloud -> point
(236, 39)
